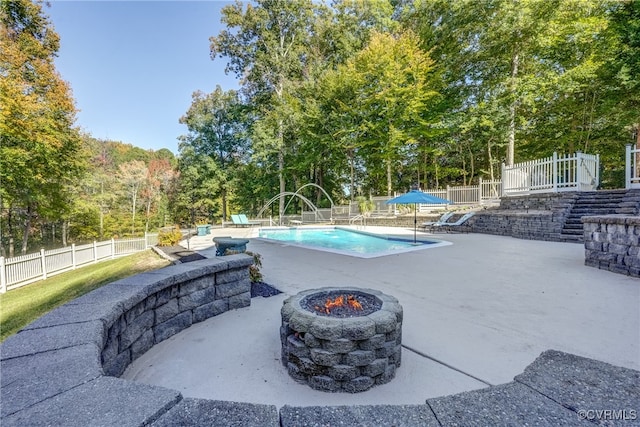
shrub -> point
(254, 270)
(169, 236)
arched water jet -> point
(308, 202)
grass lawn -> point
(21, 306)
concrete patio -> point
(476, 314)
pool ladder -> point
(356, 218)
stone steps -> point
(598, 203)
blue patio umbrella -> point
(417, 197)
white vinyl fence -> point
(22, 270)
(577, 172)
(632, 174)
(471, 195)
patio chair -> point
(238, 221)
(451, 226)
(443, 219)
(245, 221)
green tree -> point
(325, 154)
(217, 124)
(266, 47)
(160, 176)
(626, 63)
(40, 150)
(133, 176)
(194, 198)
(524, 79)
(393, 85)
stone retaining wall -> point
(537, 225)
(611, 243)
(542, 201)
(61, 369)
(534, 216)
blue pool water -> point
(345, 241)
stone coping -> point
(53, 373)
(612, 219)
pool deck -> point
(476, 314)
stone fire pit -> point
(341, 339)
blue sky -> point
(134, 65)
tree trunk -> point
(224, 204)
(146, 225)
(134, 198)
(10, 225)
(515, 62)
(352, 183)
(65, 230)
(283, 187)
(321, 184)
(490, 158)
(27, 229)
(389, 184)
(472, 164)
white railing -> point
(22, 270)
(577, 172)
(632, 160)
(485, 192)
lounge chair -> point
(443, 219)
(245, 221)
(238, 221)
(450, 226)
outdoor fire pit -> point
(341, 339)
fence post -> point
(554, 171)
(113, 248)
(146, 240)
(449, 195)
(73, 256)
(503, 178)
(95, 252)
(579, 166)
(44, 264)
(627, 169)
(3, 276)
(480, 191)
(597, 171)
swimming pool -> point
(347, 241)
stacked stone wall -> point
(543, 201)
(541, 225)
(350, 354)
(534, 216)
(61, 368)
(611, 243)
(172, 309)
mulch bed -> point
(258, 289)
